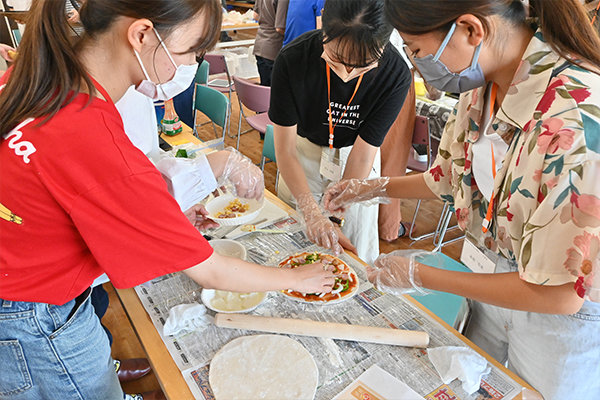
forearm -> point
(409, 187)
(506, 290)
(359, 165)
(217, 161)
(226, 273)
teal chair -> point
(213, 104)
(202, 73)
(453, 309)
(268, 152)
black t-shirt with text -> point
(299, 94)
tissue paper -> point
(462, 363)
(186, 318)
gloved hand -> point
(319, 228)
(397, 272)
(345, 192)
(247, 179)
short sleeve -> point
(281, 14)
(380, 120)
(282, 109)
(319, 4)
(561, 239)
(136, 231)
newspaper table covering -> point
(339, 362)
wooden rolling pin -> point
(331, 330)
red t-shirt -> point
(90, 203)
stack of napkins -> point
(375, 383)
(189, 179)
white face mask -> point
(340, 69)
(184, 75)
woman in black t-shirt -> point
(351, 72)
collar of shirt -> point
(522, 99)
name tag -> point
(330, 167)
(475, 259)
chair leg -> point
(276, 180)
(442, 233)
(239, 132)
(410, 232)
(440, 241)
(215, 129)
(262, 164)
(412, 225)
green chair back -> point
(202, 73)
(269, 145)
(213, 104)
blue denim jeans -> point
(559, 355)
(55, 352)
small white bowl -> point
(208, 295)
(218, 204)
(229, 248)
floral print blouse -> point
(547, 191)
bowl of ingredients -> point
(231, 302)
(229, 210)
(229, 248)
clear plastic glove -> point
(247, 179)
(314, 278)
(319, 228)
(398, 272)
(339, 195)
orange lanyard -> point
(490, 210)
(331, 124)
(596, 13)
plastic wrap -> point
(320, 229)
(365, 191)
(398, 272)
(246, 179)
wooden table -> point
(239, 27)
(239, 4)
(167, 372)
(165, 369)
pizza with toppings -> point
(346, 281)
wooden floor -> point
(126, 344)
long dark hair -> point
(564, 23)
(48, 72)
(361, 28)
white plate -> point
(229, 248)
(208, 294)
(218, 204)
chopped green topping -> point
(181, 153)
(312, 258)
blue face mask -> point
(440, 77)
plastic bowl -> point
(229, 248)
(218, 204)
(209, 294)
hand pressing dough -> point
(270, 367)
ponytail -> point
(566, 26)
(48, 73)
(47, 68)
(564, 23)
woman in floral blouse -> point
(525, 138)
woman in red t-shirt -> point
(78, 199)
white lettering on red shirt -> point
(22, 148)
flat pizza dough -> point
(270, 367)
